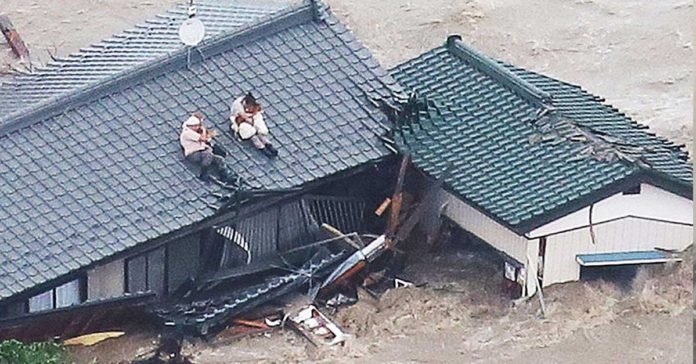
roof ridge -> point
(495, 70)
(136, 32)
(283, 19)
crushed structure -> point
(93, 218)
(89, 212)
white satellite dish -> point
(191, 31)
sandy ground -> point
(637, 54)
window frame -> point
(80, 282)
(147, 256)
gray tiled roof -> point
(101, 170)
(155, 38)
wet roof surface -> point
(101, 170)
(484, 118)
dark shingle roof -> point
(101, 170)
(523, 147)
(155, 38)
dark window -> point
(15, 309)
(155, 271)
(635, 190)
(146, 272)
(542, 246)
(182, 260)
(137, 274)
(542, 257)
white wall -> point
(106, 281)
(493, 233)
(628, 234)
(484, 227)
(531, 266)
(570, 236)
(652, 202)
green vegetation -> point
(16, 352)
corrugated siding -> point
(290, 225)
(629, 234)
(473, 221)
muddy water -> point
(637, 54)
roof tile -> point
(110, 191)
(477, 117)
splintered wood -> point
(15, 41)
(396, 200)
(383, 207)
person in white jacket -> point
(246, 117)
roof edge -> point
(248, 208)
(493, 69)
(284, 19)
(640, 176)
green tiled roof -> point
(522, 147)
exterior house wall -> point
(488, 230)
(616, 230)
(623, 235)
(106, 281)
(485, 228)
(532, 266)
(652, 202)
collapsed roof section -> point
(155, 38)
(100, 170)
(522, 147)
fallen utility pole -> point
(8, 30)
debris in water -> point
(315, 324)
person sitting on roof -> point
(246, 116)
(195, 140)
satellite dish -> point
(191, 31)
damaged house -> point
(549, 175)
(100, 210)
(98, 204)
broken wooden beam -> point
(404, 230)
(383, 207)
(339, 234)
(397, 198)
(16, 44)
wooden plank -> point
(397, 198)
(16, 44)
(383, 207)
(415, 216)
(339, 234)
